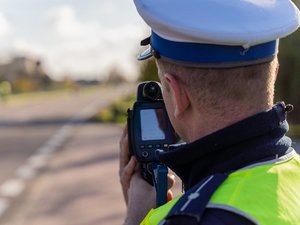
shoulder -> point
(222, 217)
(212, 217)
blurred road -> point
(30, 134)
(25, 128)
(79, 186)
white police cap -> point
(216, 33)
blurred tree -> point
(115, 76)
(5, 90)
(288, 83)
(148, 71)
(23, 84)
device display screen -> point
(153, 124)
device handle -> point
(160, 180)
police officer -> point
(217, 62)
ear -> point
(179, 95)
(277, 69)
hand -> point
(127, 164)
(142, 198)
(139, 196)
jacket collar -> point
(251, 140)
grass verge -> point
(294, 130)
(24, 98)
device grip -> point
(147, 173)
(160, 180)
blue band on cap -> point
(210, 53)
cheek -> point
(167, 101)
(170, 111)
(169, 106)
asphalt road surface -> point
(30, 133)
(79, 185)
(27, 127)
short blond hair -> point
(225, 91)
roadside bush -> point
(116, 112)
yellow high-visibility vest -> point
(266, 193)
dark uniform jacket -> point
(255, 139)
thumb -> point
(169, 195)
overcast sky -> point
(83, 38)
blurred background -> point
(68, 73)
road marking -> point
(46, 150)
(12, 188)
(25, 172)
(38, 161)
(4, 204)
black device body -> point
(149, 127)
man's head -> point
(219, 90)
(220, 96)
(217, 60)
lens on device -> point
(151, 90)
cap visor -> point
(145, 55)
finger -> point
(125, 130)
(170, 195)
(128, 171)
(124, 152)
(171, 180)
(126, 176)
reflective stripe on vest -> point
(156, 215)
(267, 194)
